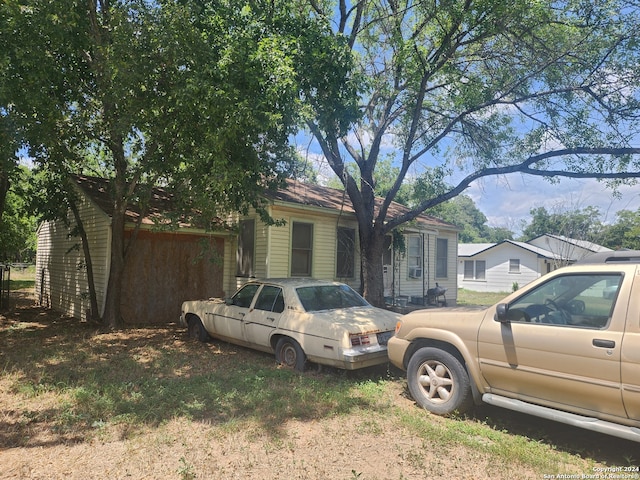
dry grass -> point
(79, 403)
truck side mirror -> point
(502, 309)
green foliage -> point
(580, 224)
(586, 224)
(624, 233)
(198, 97)
(17, 225)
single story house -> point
(508, 265)
(317, 239)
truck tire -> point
(438, 382)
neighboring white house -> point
(505, 266)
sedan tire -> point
(197, 330)
(290, 354)
(438, 382)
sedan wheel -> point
(197, 330)
(290, 354)
(438, 382)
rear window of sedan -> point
(329, 297)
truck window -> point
(579, 300)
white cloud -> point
(508, 200)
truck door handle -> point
(598, 342)
(271, 318)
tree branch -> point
(525, 167)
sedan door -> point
(228, 319)
(265, 315)
(560, 345)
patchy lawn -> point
(78, 403)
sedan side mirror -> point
(502, 309)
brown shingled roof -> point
(334, 199)
(296, 192)
(98, 190)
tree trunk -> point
(371, 248)
(93, 299)
(112, 315)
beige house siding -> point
(61, 276)
(272, 250)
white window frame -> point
(442, 257)
(474, 272)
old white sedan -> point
(301, 320)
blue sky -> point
(507, 200)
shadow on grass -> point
(576, 441)
(148, 376)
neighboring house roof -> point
(585, 244)
(472, 249)
(97, 189)
(334, 199)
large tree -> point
(463, 89)
(624, 232)
(196, 95)
(17, 226)
(579, 224)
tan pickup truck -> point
(565, 347)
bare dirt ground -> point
(351, 446)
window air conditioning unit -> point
(415, 272)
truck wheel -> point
(438, 382)
(197, 330)
(290, 354)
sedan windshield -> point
(328, 297)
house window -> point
(301, 249)
(514, 265)
(442, 254)
(474, 270)
(345, 258)
(469, 272)
(414, 256)
(246, 247)
(480, 269)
